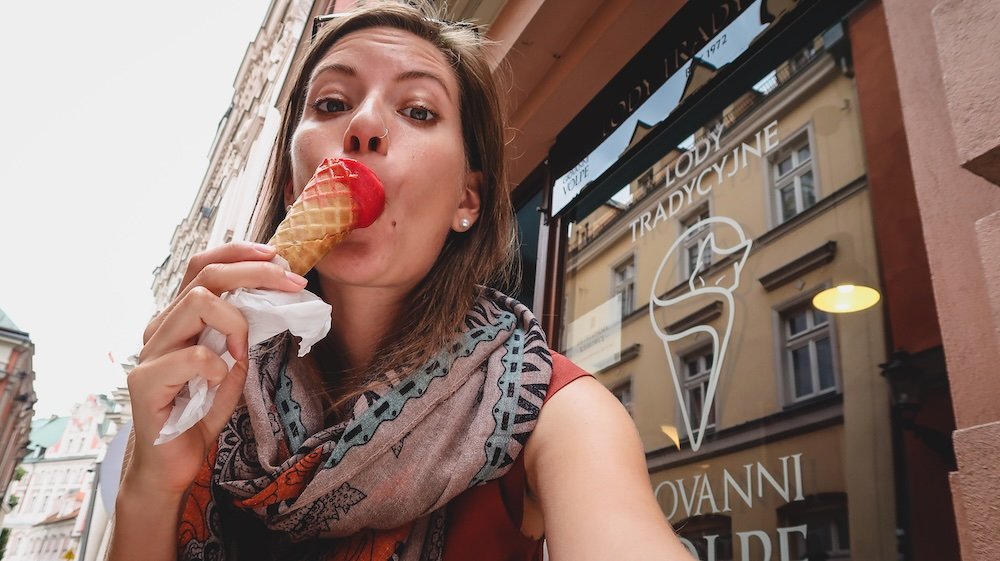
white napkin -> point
(268, 312)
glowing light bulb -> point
(846, 298)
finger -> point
(219, 278)
(153, 385)
(226, 277)
(226, 399)
(198, 309)
(227, 253)
(233, 252)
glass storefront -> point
(689, 294)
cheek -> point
(308, 147)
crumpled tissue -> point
(268, 313)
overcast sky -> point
(107, 112)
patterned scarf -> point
(281, 485)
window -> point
(808, 352)
(646, 180)
(623, 392)
(794, 179)
(695, 242)
(827, 533)
(696, 370)
(624, 280)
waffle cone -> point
(326, 211)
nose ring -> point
(373, 141)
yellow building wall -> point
(854, 457)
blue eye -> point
(419, 113)
(330, 105)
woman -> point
(404, 435)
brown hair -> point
(483, 255)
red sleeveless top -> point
(484, 523)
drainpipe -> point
(90, 510)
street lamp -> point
(846, 298)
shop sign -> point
(594, 341)
(729, 30)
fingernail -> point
(263, 248)
(297, 279)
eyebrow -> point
(408, 75)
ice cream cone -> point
(342, 195)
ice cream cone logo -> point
(723, 287)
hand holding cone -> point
(342, 195)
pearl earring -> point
(288, 209)
(465, 223)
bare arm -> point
(142, 521)
(586, 465)
(155, 479)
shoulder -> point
(564, 371)
(580, 418)
(576, 400)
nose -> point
(366, 133)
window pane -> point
(628, 299)
(692, 259)
(803, 153)
(824, 358)
(708, 361)
(802, 371)
(787, 197)
(784, 166)
(797, 322)
(818, 541)
(819, 317)
(694, 405)
(808, 190)
(706, 256)
(843, 531)
(711, 411)
(692, 368)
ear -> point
(469, 204)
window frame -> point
(701, 380)
(782, 350)
(687, 243)
(773, 182)
(614, 284)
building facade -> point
(54, 496)
(17, 399)
(703, 171)
(241, 149)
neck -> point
(362, 316)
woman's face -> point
(370, 81)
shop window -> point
(697, 367)
(794, 179)
(623, 392)
(808, 352)
(624, 284)
(695, 243)
(827, 532)
(706, 533)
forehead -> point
(386, 48)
